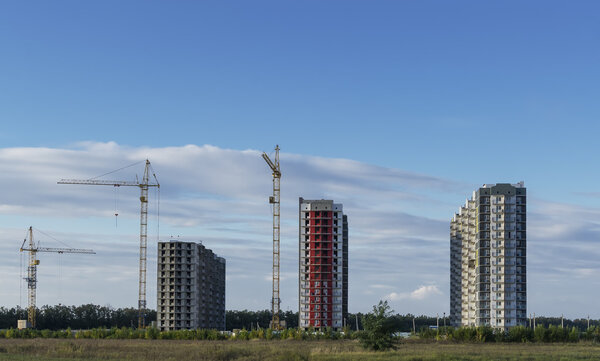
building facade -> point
(488, 259)
(323, 266)
(190, 287)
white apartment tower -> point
(488, 269)
(323, 268)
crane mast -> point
(32, 270)
(144, 186)
(275, 201)
(143, 246)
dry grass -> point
(166, 350)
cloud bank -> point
(399, 248)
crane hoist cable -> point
(116, 206)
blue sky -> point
(400, 84)
(463, 93)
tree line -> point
(89, 316)
(61, 317)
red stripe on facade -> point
(321, 268)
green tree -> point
(379, 328)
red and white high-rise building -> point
(323, 267)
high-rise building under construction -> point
(488, 278)
(190, 287)
(323, 266)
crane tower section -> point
(275, 201)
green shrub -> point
(574, 335)
(465, 334)
(427, 333)
(379, 328)
(540, 334)
(484, 334)
(519, 334)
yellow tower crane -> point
(144, 186)
(274, 200)
(32, 270)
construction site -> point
(190, 277)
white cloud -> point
(420, 293)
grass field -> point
(165, 350)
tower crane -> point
(144, 185)
(274, 200)
(31, 279)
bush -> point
(427, 333)
(540, 334)
(379, 328)
(485, 334)
(519, 334)
(574, 335)
(465, 334)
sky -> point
(397, 109)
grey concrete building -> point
(323, 265)
(190, 287)
(488, 267)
